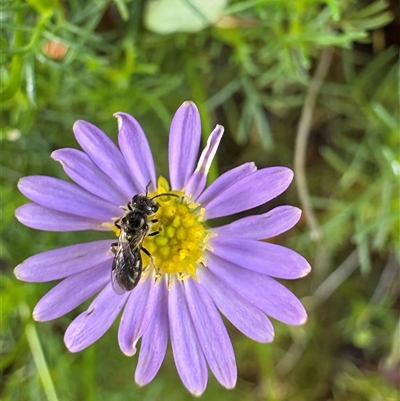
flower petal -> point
(223, 182)
(136, 316)
(71, 292)
(245, 316)
(136, 150)
(188, 355)
(260, 290)
(213, 337)
(85, 173)
(64, 262)
(197, 181)
(251, 191)
(42, 218)
(103, 152)
(262, 257)
(263, 226)
(155, 338)
(89, 326)
(184, 143)
(66, 197)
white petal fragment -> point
(197, 181)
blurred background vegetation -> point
(310, 84)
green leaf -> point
(43, 6)
(122, 9)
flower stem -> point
(303, 132)
(40, 362)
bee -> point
(134, 227)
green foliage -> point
(249, 70)
(367, 161)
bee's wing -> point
(120, 263)
(115, 281)
(126, 267)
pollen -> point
(181, 234)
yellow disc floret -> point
(178, 236)
(182, 235)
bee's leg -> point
(117, 223)
(114, 247)
(151, 257)
(147, 252)
(154, 232)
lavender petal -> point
(258, 289)
(86, 174)
(184, 143)
(262, 257)
(89, 326)
(197, 181)
(223, 182)
(64, 262)
(66, 197)
(263, 226)
(251, 191)
(42, 218)
(136, 150)
(71, 292)
(103, 152)
(245, 316)
(155, 338)
(213, 337)
(188, 355)
(136, 316)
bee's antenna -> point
(166, 194)
(147, 187)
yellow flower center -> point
(182, 237)
(182, 234)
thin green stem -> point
(17, 60)
(16, 63)
(303, 132)
(40, 362)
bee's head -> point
(144, 204)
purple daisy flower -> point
(194, 272)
